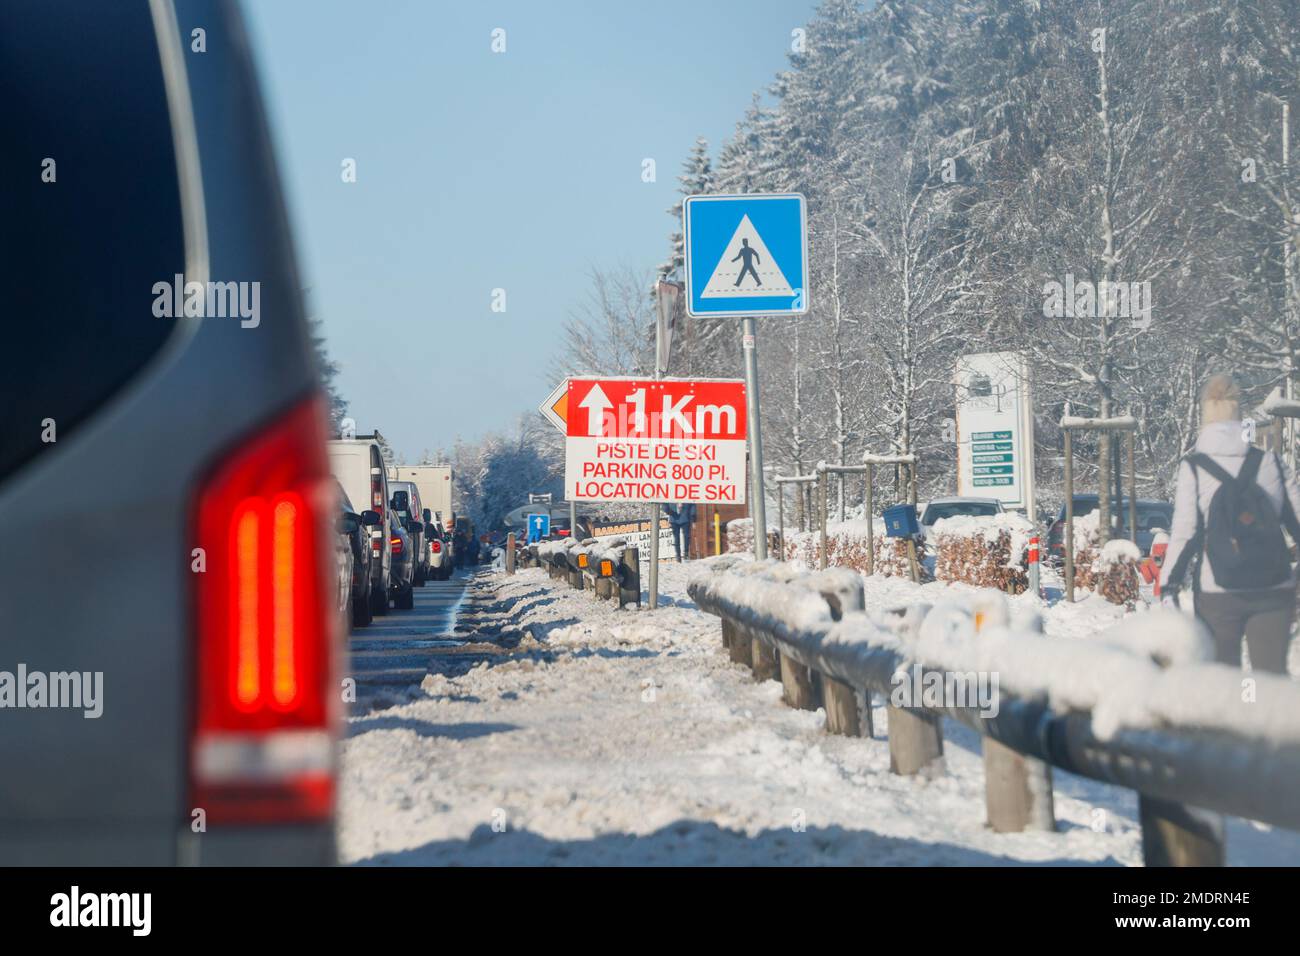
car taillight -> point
(263, 745)
(436, 545)
(396, 545)
(377, 491)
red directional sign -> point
(673, 440)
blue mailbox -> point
(900, 521)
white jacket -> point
(1223, 442)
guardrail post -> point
(1176, 835)
(841, 702)
(839, 699)
(575, 578)
(915, 740)
(510, 553)
(741, 648)
(629, 586)
(797, 685)
(1017, 790)
(763, 660)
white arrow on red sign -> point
(596, 403)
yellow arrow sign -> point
(556, 407)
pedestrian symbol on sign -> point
(749, 255)
(757, 264)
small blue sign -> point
(746, 255)
(539, 527)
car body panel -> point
(353, 463)
(114, 789)
(412, 512)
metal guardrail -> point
(812, 632)
(612, 569)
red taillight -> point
(396, 545)
(436, 545)
(263, 746)
(377, 501)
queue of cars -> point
(396, 544)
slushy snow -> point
(628, 737)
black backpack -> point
(1242, 533)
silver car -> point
(162, 408)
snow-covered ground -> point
(627, 737)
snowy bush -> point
(846, 547)
(1115, 572)
(740, 536)
(1087, 532)
(1112, 570)
(987, 551)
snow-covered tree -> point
(612, 332)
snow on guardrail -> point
(1139, 705)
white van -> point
(434, 482)
(358, 464)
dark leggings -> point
(1263, 617)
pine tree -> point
(696, 178)
(328, 369)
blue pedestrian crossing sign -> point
(539, 527)
(746, 255)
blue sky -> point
(478, 170)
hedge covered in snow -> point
(987, 551)
(846, 547)
(1112, 570)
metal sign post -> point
(749, 344)
(747, 256)
(667, 295)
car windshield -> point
(953, 509)
(1082, 507)
(1149, 517)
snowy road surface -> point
(393, 651)
(568, 732)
